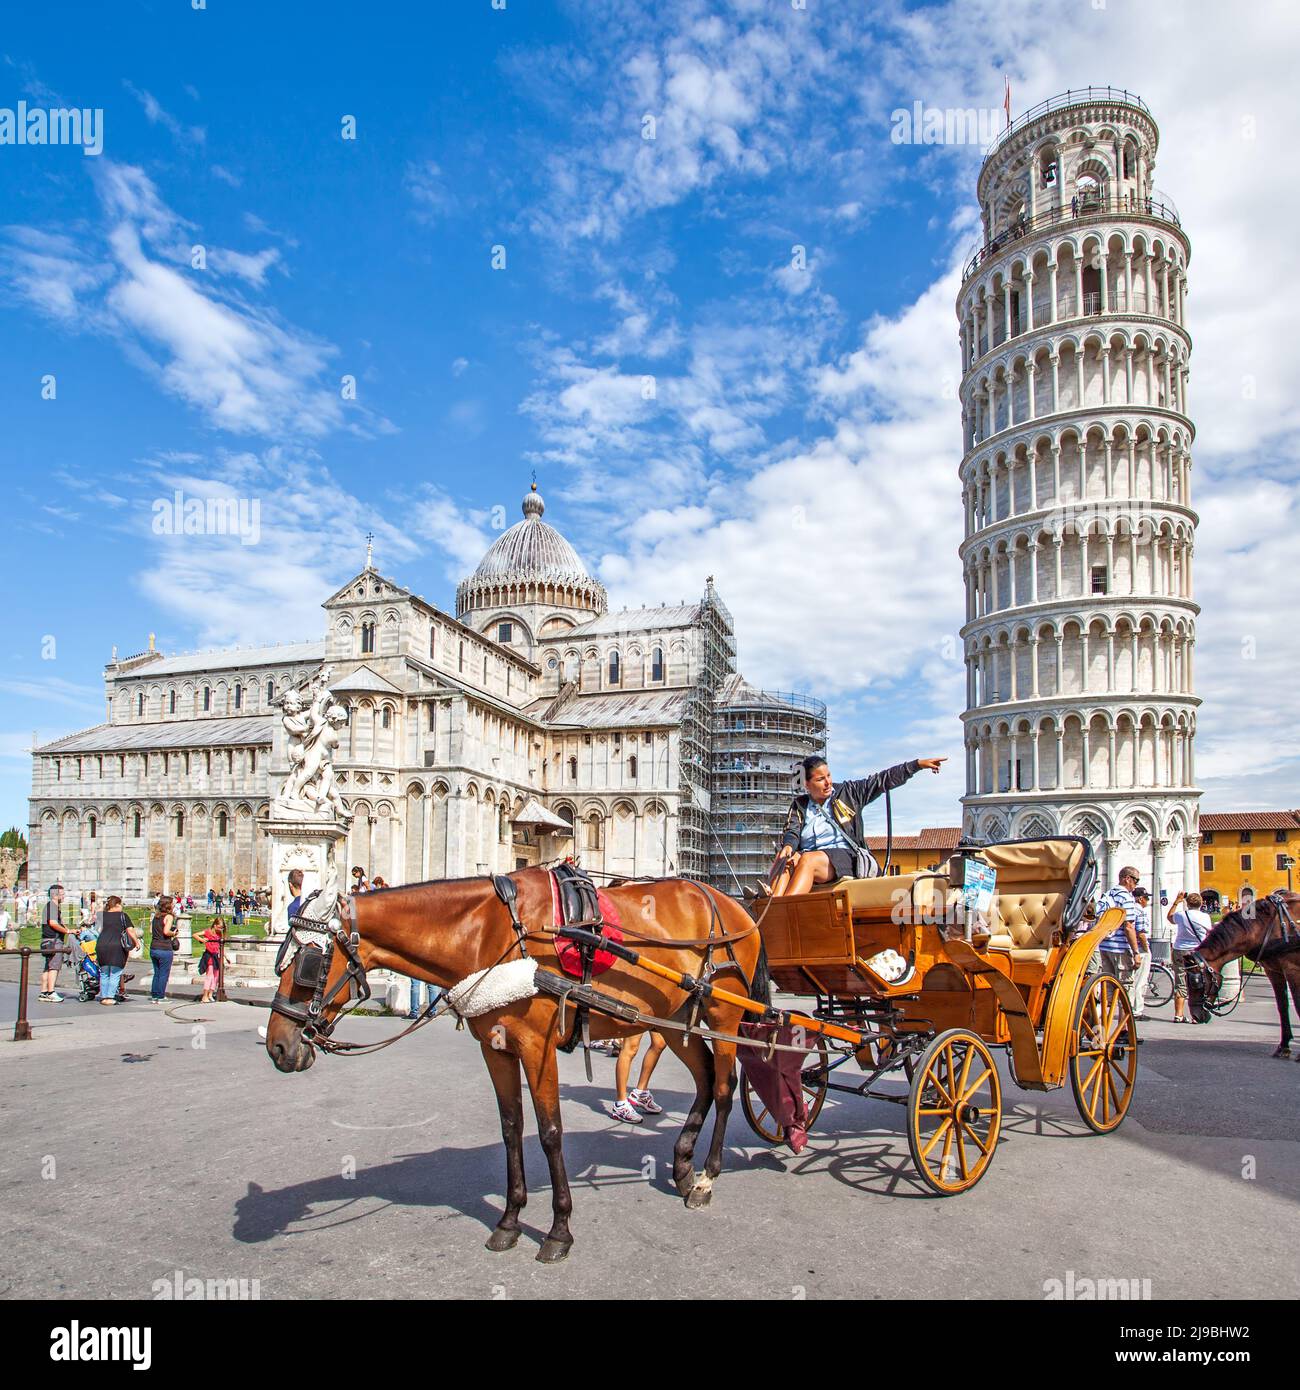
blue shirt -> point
(1119, 896)
(820, 829)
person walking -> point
(210, 961)
(53, 936)
(162, 949)
(1120, 950)
(117, 938)
(629, 1105)
(419, 988)
(1191, 924)
(1143, 972)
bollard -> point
(23, 1029)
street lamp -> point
(1287, 862)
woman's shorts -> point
(1181, 962)
(842, 863)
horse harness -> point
(1211, 980)
(310, 944)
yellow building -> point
(1255, 850)
(914, 854)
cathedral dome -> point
(531, 549)
(530, 564)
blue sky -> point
(801, 411)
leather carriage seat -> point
(1033, 885)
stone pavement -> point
(139, 1141)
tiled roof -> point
(244, 732)
(636, 620)
(618, 711)
(230, 659)
(937, 837)
(365, 680)
(1250, 820)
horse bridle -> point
(1210, 980)
(309, 945)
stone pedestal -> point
(313, 844)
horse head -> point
(1257, 925)
(320, 974)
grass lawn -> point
(199, 923)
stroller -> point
(88, 972)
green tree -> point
(13, 838)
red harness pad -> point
(570, 954)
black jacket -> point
(847, 801)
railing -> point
(1088, 205)
(1072, 96)
(765, 697)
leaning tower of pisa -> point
(1076, 482)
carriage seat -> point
(1033, 885)
(876, 898)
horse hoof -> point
(553, 1251)
(685, 1184)
(502, 1240)
(700, 1195)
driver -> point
(823, 839)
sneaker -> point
(55, 998)
(44, 998)
(627, 1112)
(108, 1003)
(643, 1100)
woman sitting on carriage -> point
(823, 839)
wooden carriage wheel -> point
(814, 1076)
(1103, 1064)
(954, 1112)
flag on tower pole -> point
(1006, 98)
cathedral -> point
(533, 724)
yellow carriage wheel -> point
(814, 1077)
(954, 1112)
(1103, 1047)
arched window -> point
(573, 769)
(239, 696)
(631, 766)
(386, 719)
(207, 697)
(171, 702)
(613, 668)
(93, 826)
(180, 825)
(139, 703)
(223, 822)
(657, 664)
(594, 829)
(270, 691)
(433, 716)
(433, 640)
(367, 638)
(135, 825)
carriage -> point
(920, 978)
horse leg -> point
(504, 1071)
(698, 1060)
(543, 1071)
(1279, 984)
(724, 1090)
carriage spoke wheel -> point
(814, 1077)
(1103, 1066)
(954, 1112)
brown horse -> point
(1267, 933)
(446, 930)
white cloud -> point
(184, 135)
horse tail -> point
(760, 988)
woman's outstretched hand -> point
(934, 764)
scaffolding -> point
(760, 738)
(717, 660)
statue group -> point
(313, 725)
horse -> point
(448, 929)
(1267, 933)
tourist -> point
(418, 988)
(6, 925)
(209, 970)
(211, 899)
(377, 884)
(628, 1105)
(162, 949)
(1143, 926)
(359, 884)
(117, 938)
(1120, 950)
(53, 936)
(295, 902)
(1191, 925)
(823, 839)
